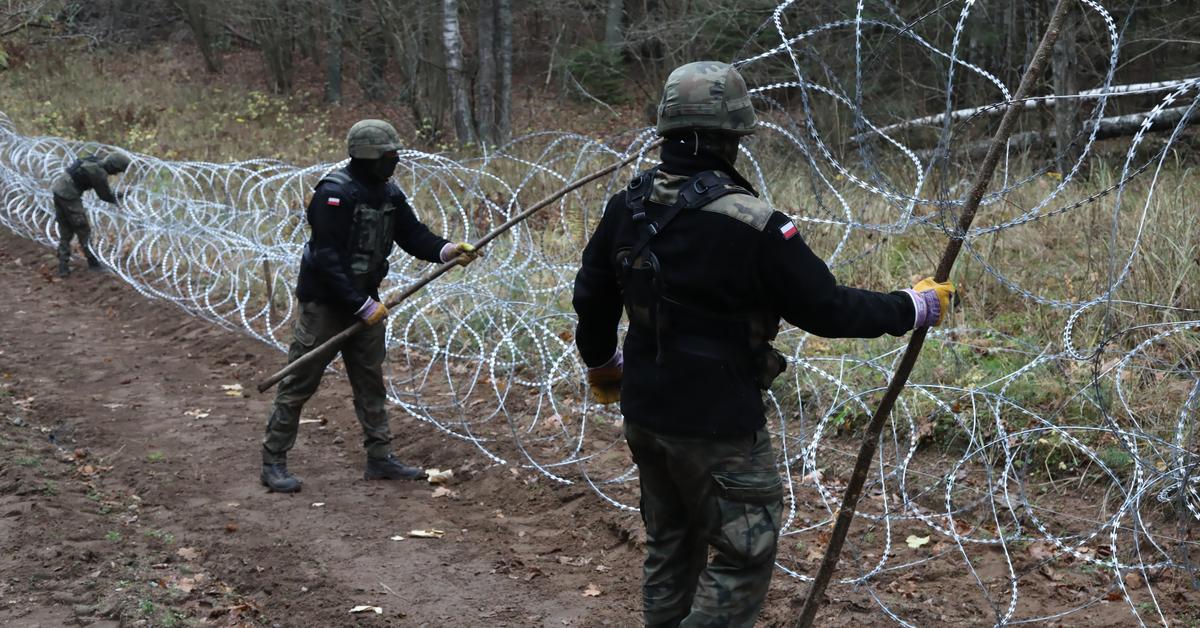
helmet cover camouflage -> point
(706, 95)
(370, 139)
(115, 162)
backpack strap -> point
(702, 189)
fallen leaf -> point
(591, 591)
(187, 585)
(431, 533)
(1049, 573)
(87, 469)
(231, 527)
(1040, 551)
(1133, 581)
(442, 491)
(367, 609)
(574, 561)
(438, 476)
(197, 413)
(188, 553)
(232, 390)
(915, 541)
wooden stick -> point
(862, 465)
(333, 343)
(266, 268)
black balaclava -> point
(375, 170)
(690, 152)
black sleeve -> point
(330, 229)
(806, 294)
(597, 299)
(99, 180)
(412, 235)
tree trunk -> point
(1065, 66)
(333, 61)
(504, 26)
(196, 14)
(485, 79)
(455, 80)
(377, 62)
(613, 38)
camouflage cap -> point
(370, 139)
(116, 161)
(706, 95)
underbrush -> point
(1020, 286)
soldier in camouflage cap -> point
(705, 269)
(357, 215)
(87, 173)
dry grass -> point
(169, 108)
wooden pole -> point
(862, 465)
(333, 343)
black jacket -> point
(729, 265)
(325, 274)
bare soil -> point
(129, 489)
(129, 496)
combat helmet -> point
(116, 161)
(706, 95)
(370, 139)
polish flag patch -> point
(788, 230)
(334, 201)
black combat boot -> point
(391, 469)
(277, 479)
(95, 265)
(64, 269)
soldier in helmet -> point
(705, 270)
(87, 173)
(356, 214)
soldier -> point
(356, 214)
(705, 269)
(88, 173)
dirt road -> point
(129, 496)
(129, 489)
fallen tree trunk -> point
(1114, 126)
(1030, 103)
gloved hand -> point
(462, 252)
(931, 300)
(372, 312)
(605, 380)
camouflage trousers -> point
(702, 493)
(72, 222)
(363, 355)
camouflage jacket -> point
(735, 255)
(92, 174)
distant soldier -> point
(356, 215)
(705, 269)
(88, 173)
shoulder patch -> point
(743, 207)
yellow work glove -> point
(372, 312)
(605, 380)
(462, 252)
(932, 301)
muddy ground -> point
(129, 495)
